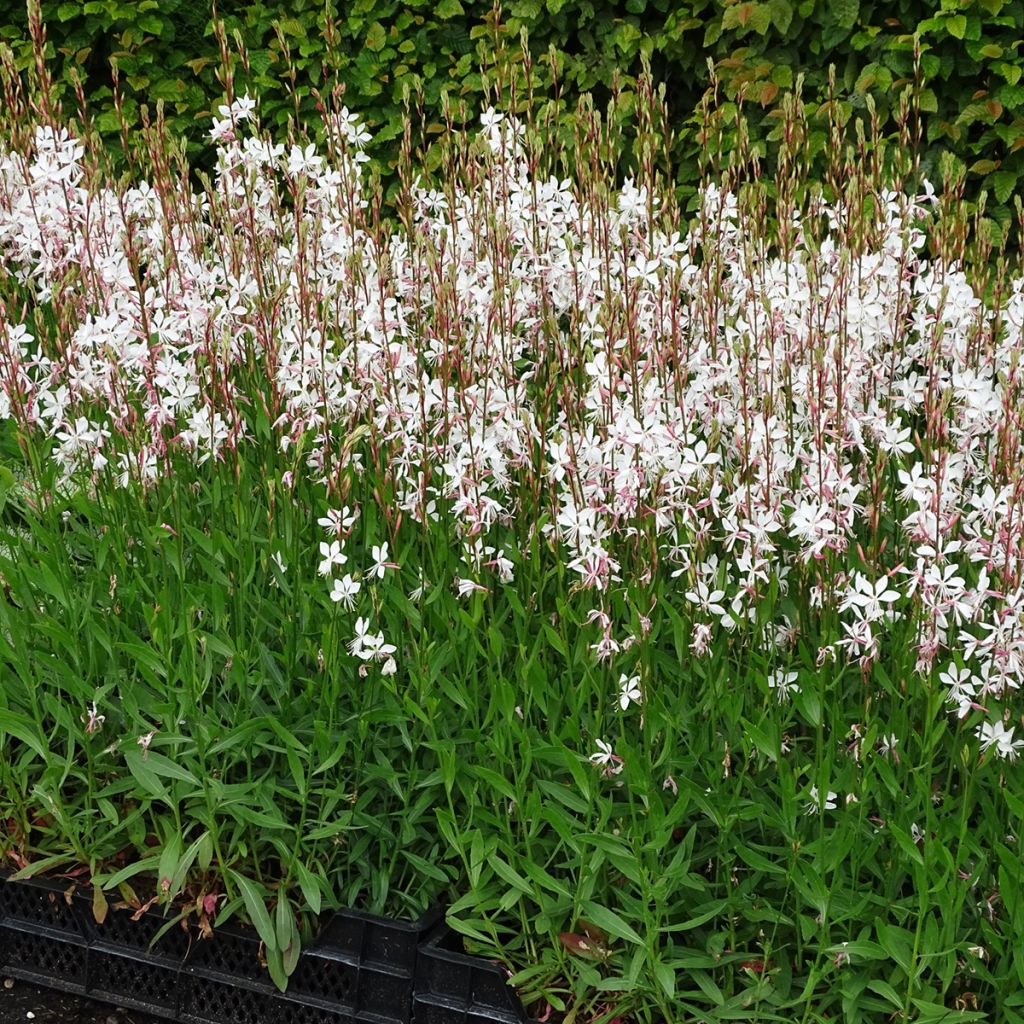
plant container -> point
(363, 969)
(453, 987)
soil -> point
(21, 1002)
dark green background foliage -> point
(971, 98)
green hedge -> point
(971, 98)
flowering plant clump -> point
(534, 550)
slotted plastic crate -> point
(294, 1012)
(119, 932)
(365, 992)
(374, 940)
(56, 961)
(210, 1000)
(364, 963)
(134, 981)
(363, 969)
(46, 904)
(232, 954)
(455, 988)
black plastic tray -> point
(363, 969)
(453, 987)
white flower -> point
(336, 522)
(870, 597)
(241, 109)
(605, 756)
(887, 746)
(698, 460)
(418, 591)
(345, 590)
(997, 735)
(815, 806)
(629, 691)
(466, 586)
(144, 742)
(331, 555)
(304, 160)
(94, 721)
(380, 561)
(784, 684)
(708, 599)
(369, 646)
(356, 644)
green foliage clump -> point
(960, 58)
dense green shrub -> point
(969, 91)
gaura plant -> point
(652, 589)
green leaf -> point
(906, 844)
(204, 852)
(449, 9)
(256, 908)
(808, 702)
(145, 777)
(1004, 183)
(509, 875)
(1012, 95)
(376, 38)
(897, 943)
(287, 935)
(956, 25)
(781, 12)
(293, 27)
(275, 967)
(166, 768)
(526, 10)
(309, 886)
(150, 663)
(884, 989)
(168, 865)
(845, 12)
(769, 746)
(146, 864)
(21, 729)
(611, 923)
(863, 949)
(666, 978)
(983, 167)
(186, 861)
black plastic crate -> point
(231, 954)
(325, 977)
(363, 969)
(365, 964)
(41, 903)
(455, 988)
(369, 939)
(40, 956)
(290, 1011)
(119, 932)
(136, 981)
(212, 1000)
(363, 992)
